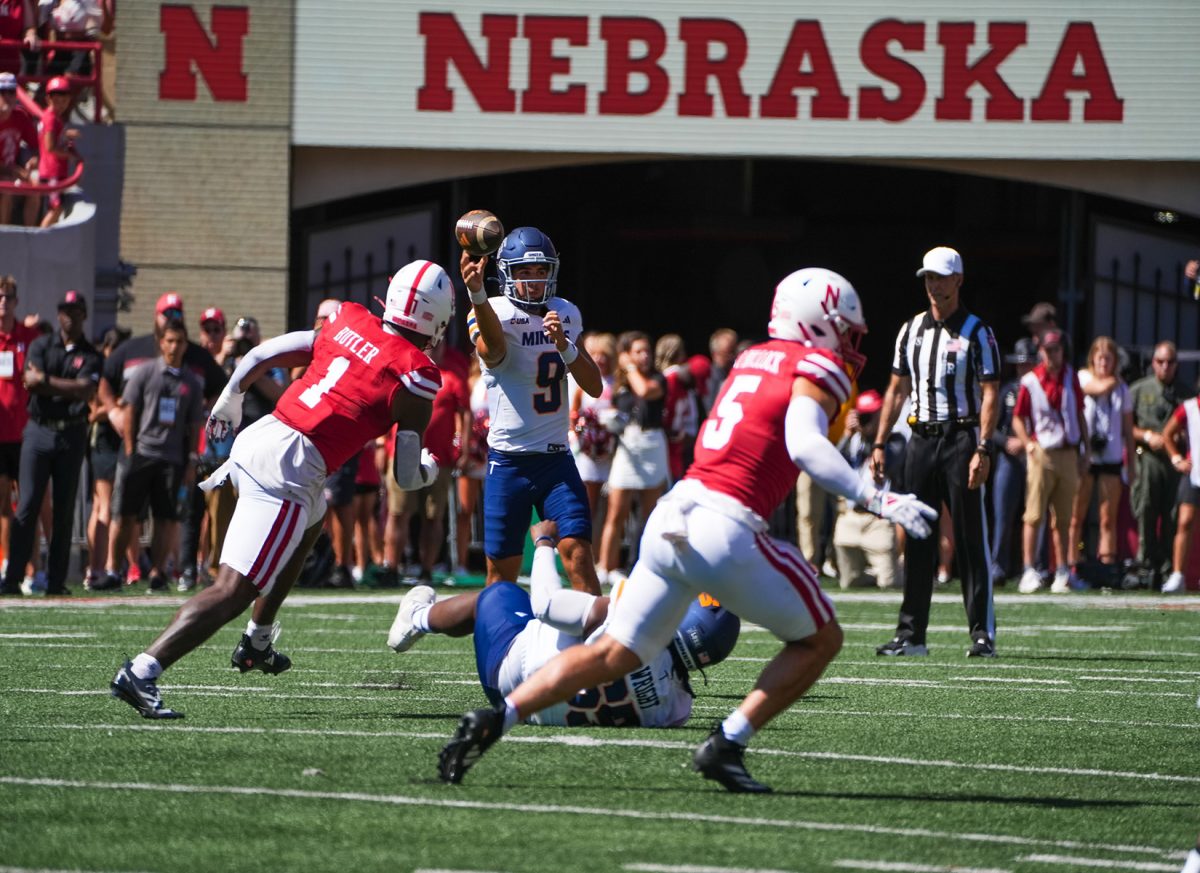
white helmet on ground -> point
(420, 298)
(821, 309)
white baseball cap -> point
(942, 260)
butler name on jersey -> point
(527, 389)
(345, 396)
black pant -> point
(194, 509)
(46, 454)
(935, 470)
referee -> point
(947, 364)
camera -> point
(245, 335)
(1099, 442)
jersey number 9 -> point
(550, 373)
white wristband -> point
(570, 353)
(477, 297)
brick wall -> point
(206, 200)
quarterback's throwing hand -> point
(905, 510)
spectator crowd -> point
(1090, 474)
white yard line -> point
(45, 870)
(580, 740)
(803, 710)
(1098, 863)
(694, 868)
(685, 817)
(904, 867)
(56, 635)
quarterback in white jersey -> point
(525, 341)
(527, 389)
(515, 633)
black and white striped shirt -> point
(946, 361)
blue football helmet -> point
(527, 245)
(706, 636)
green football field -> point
(1077, 749)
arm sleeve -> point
(297, 341)
(806, 427)
(564, 609)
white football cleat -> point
(1174, 584)
(1031, 581)
(1062, 581)
(403, 635)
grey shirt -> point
(166, 403)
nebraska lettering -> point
(716, 51)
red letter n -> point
(188, 48)
(446, 44)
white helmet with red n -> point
(420, 298)
(821, 309)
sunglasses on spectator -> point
(212, 327)
(8, 296)
(1165, 361)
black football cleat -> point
(982, 648)
(476, 733)
(141, 694)
(720, 759)
(246, 658)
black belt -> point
(59, 423)
(937, 429)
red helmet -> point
(59, 85)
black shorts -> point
(153, 482)
(1188, 493)
(103, 451)
(10, 461)
(339, 487)
(1105, 470)
(365, 488)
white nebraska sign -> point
(1052, 80)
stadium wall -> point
(205, 96)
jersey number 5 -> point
(311, 395)
(719, 427)
(549, 376)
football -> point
(479, 232)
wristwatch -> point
(984, 449)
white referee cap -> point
(942, 260)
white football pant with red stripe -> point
(761, 579)
(280, 478)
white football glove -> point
(903, 509)
(429, 467)
(226, 415)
